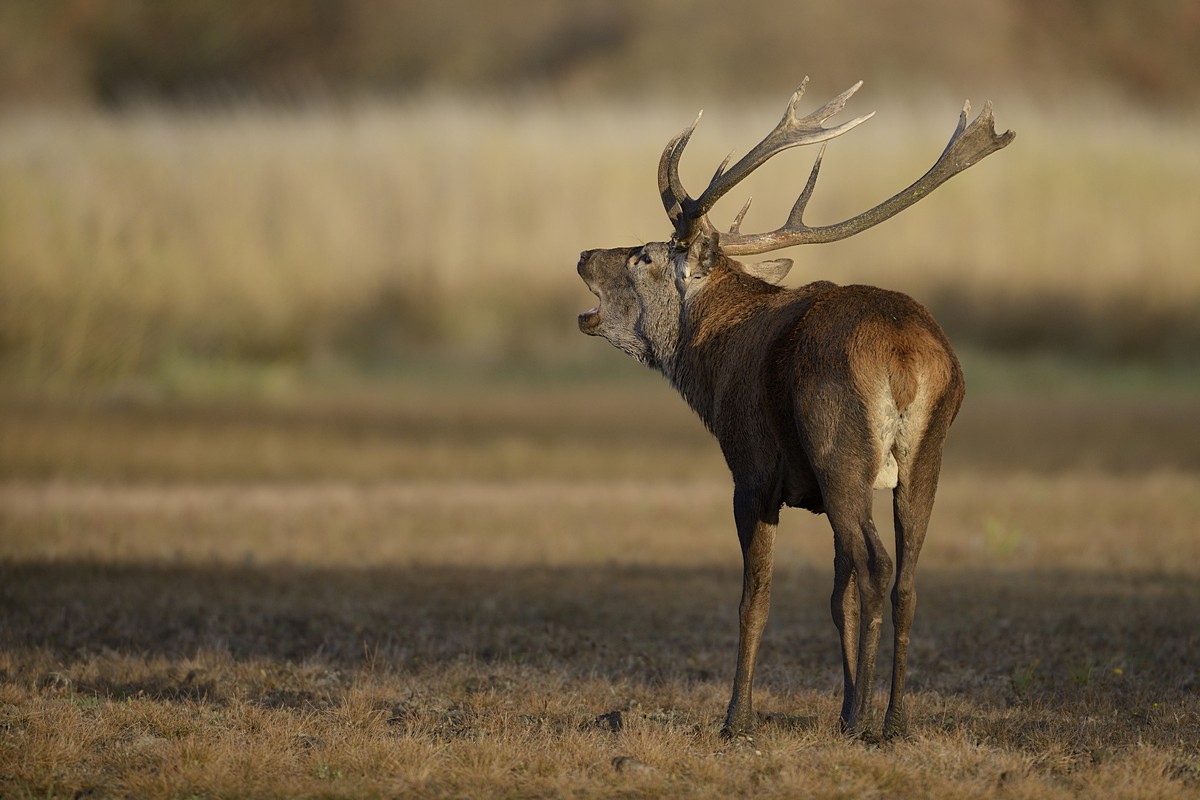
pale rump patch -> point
(885, 421)
(898, 376)
(889, 473)
(897, 431)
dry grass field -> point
(310, 487)
(423, 593)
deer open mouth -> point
(589, 320)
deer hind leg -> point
(912, 503)
(844, 605)
(862, 563)
(756, 533)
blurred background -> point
(298, 433)
(266, 202)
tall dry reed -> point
(131, 241)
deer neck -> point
(719, 326)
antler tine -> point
(721, 168)
(824, 112)
(969, 144)
(686, 214)
(797, 96)
(797, 214)
(790, 132)
(670, 188)
(737, 221)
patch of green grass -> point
(1057, 373)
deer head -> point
(639, 306)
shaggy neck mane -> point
(711, 321)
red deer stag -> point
(817, 394)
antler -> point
(968, 145)
(687, 214)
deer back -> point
(788, 378)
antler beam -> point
(969, 144)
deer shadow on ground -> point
(1063, 642)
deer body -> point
(743, 363)
(817, 395)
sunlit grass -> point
(462, 638)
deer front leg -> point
(756, 533)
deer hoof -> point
(739, 726)
(895, 726)
(860, 731)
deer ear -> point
(770, 271)
(703, 254)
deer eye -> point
(644, 258)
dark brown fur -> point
(807, 391)
(782, 379)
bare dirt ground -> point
(534, 593)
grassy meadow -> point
(535, 595)
(309, 485)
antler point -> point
(796, 95)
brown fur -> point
(813, 393)
(817, 395)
